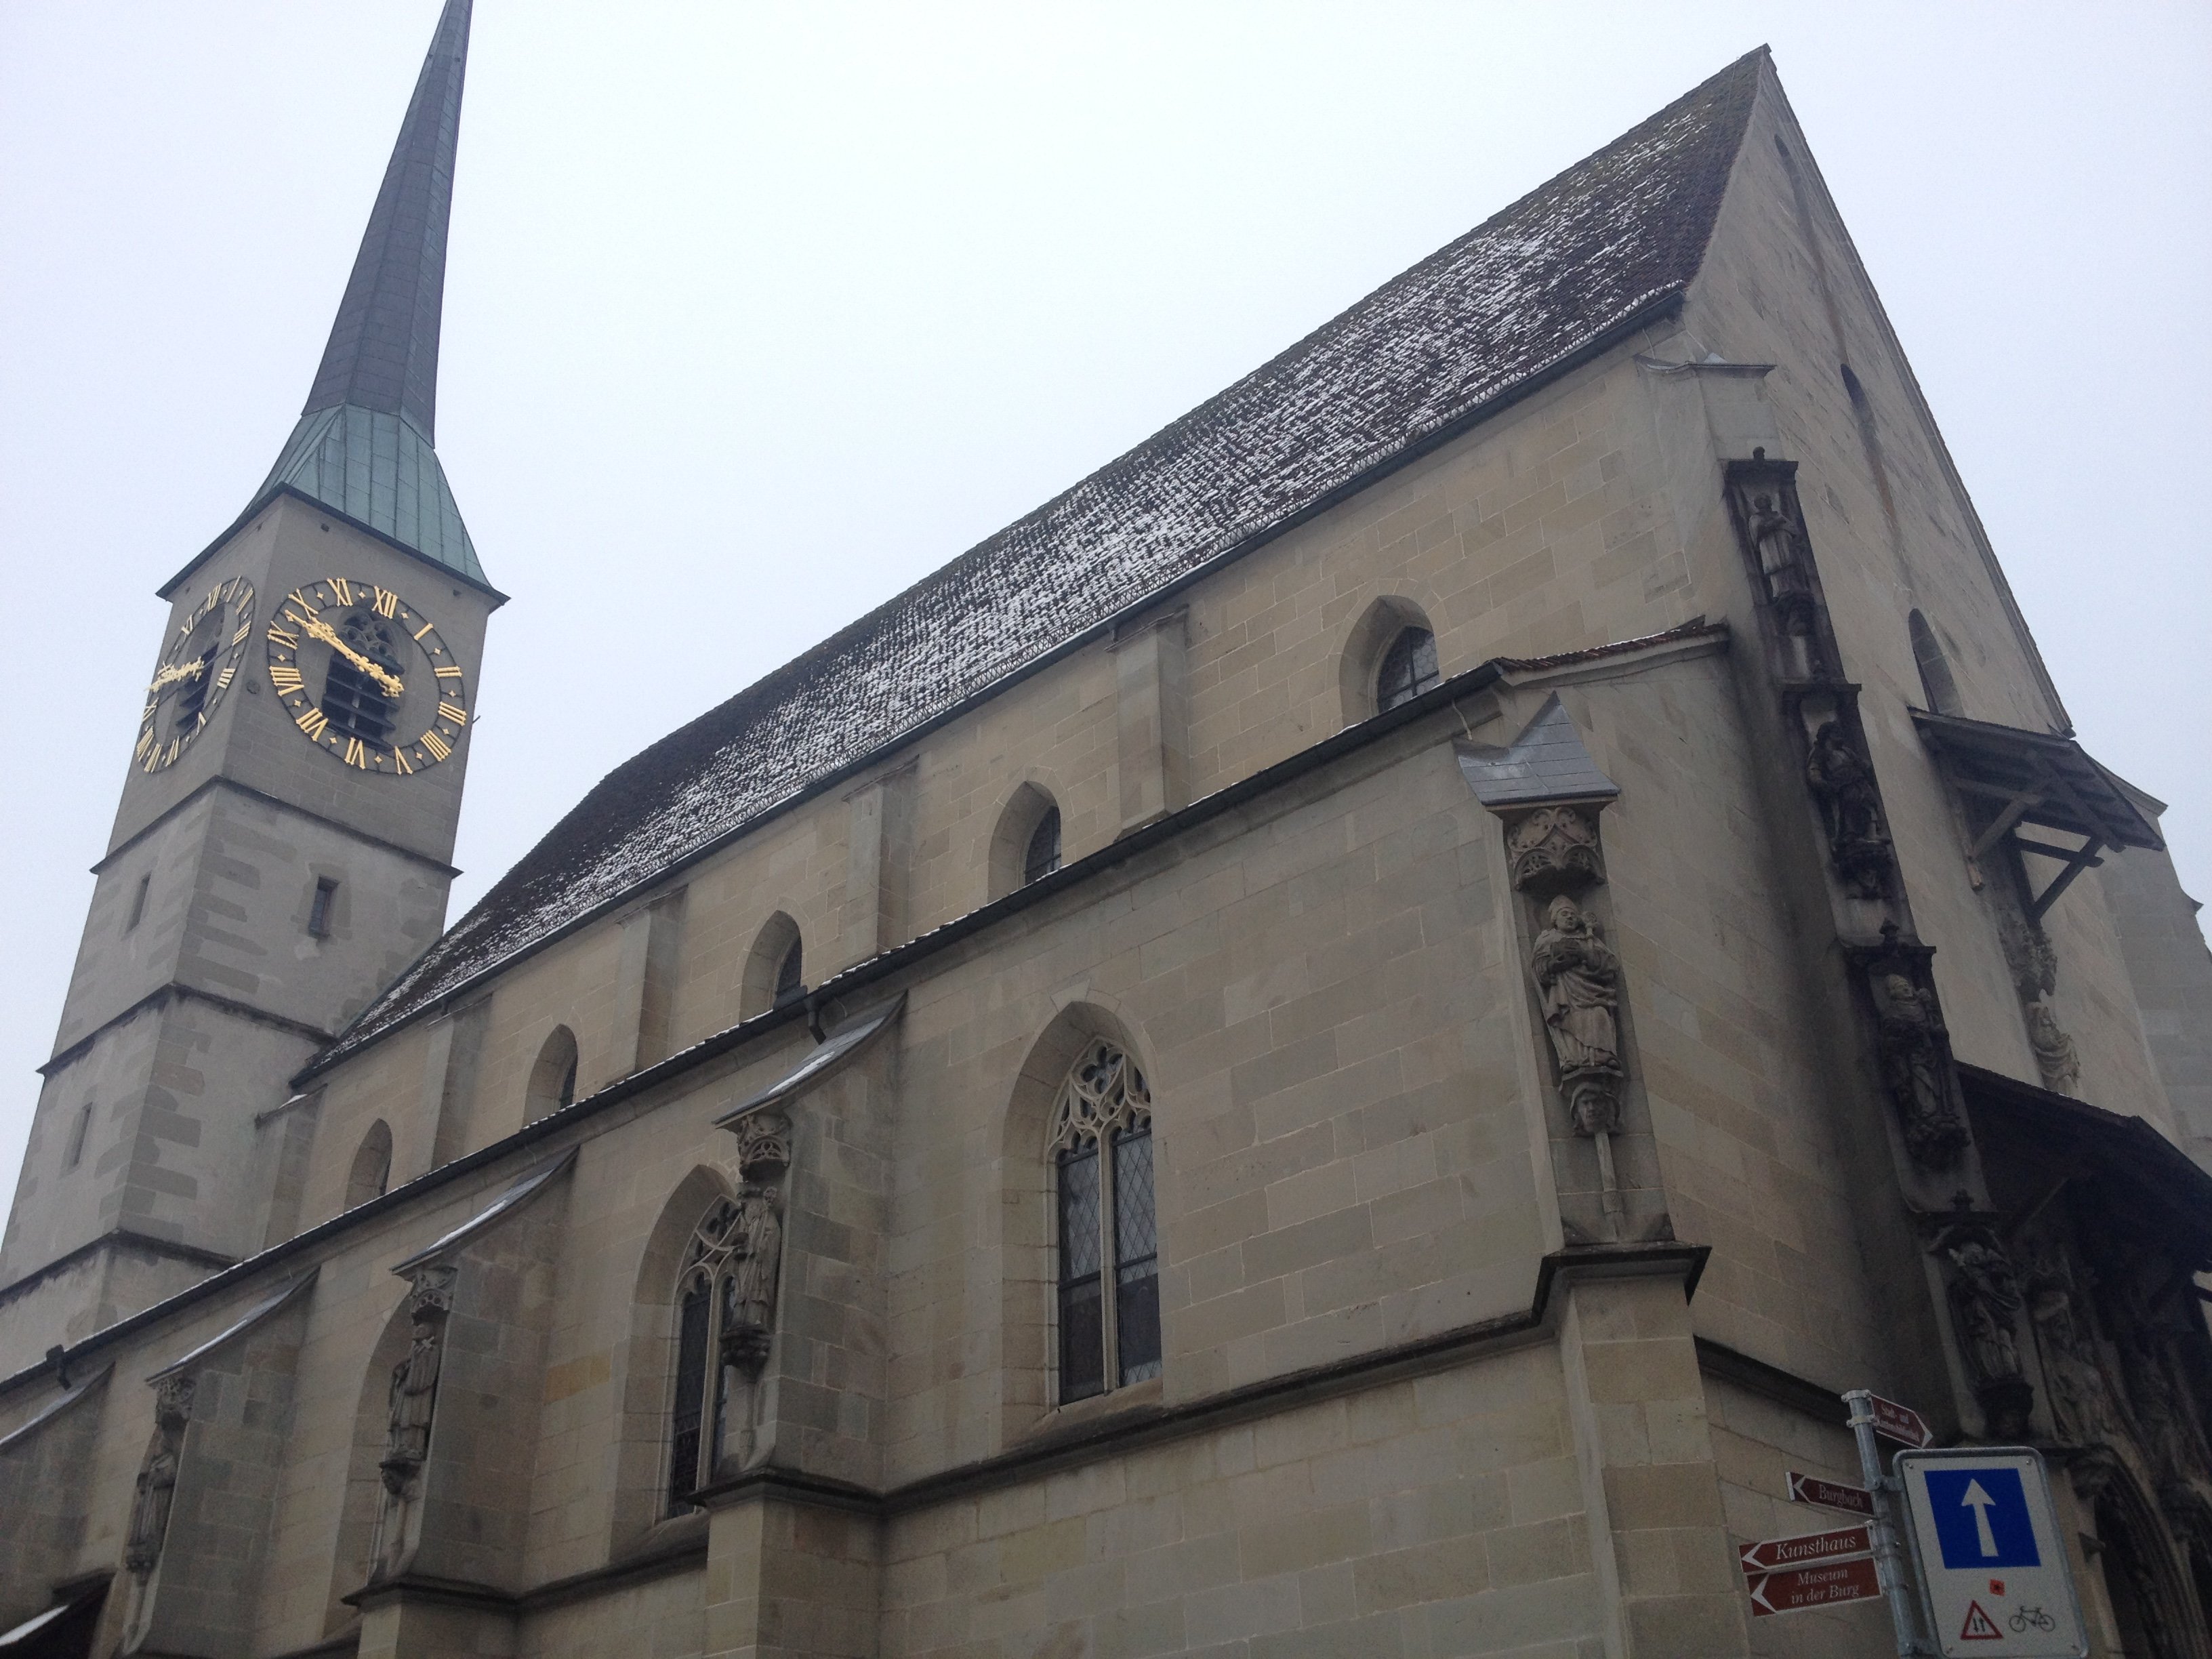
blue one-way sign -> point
(1981, 1517)
(1992, 1565)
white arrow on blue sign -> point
(1992, 1565)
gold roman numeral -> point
(303, 601)
(145, 742)
(450, 671)
(356, 753)
(282, 636)
(243, 628)
(176, 747)
(386, 603)
(338, 585)
(431, 741)
(399, 762)
(222, 680)
(458, 716)
(285, 678)
(420, 632)
(311, 720)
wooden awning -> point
(2040, 779)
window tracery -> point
(1108, 1281)
(704, 1289)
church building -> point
(1338, 1043)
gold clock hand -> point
(175, 672)
(318, 629)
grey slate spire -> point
(363, 445)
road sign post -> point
(1871, 1415)
(1993, 1568)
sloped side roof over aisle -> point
(1599, 244)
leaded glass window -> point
(1109, 1279)
(1409, 668)
(703, 1293)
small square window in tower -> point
(1409, 668)
(318, 907)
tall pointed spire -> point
(363, 445)
(383, 350)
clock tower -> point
(283, 845)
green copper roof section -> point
(378, 469)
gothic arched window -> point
(553, 1077)
(1937, 681)
(705, 1293)
(1409, 668)
(1110, 1280)
(1041, 856)
(791, 973)
(371, 1173)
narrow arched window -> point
(553, 1078)
(1041, 857)
(371, 1173)
(1937, 681)
(1108, 1278)
(1409, 668)
(703, 1294)
(790, 974)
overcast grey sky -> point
(756, 314)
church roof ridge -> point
(1597, 248)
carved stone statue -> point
(749, 1313)
(1843, 782)
(1579, 977)
(1553, 848)
(1913, 1070)
(2081, 1398)
(2055, 1056)
(157, 1476)
(1985, 1300)
(414, 1397)
(1781, 552)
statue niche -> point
(1578, 977)
(156, 1490)
(1916, 1070)
(1841, 780)
(1985, 1298)
(411, 1408)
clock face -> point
(366, 677)
(198, 666)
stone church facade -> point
(1334, 1044)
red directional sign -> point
(1900, 1423)
(1830, 1494)
(1800, 1589)
(1772, 1554)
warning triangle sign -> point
(1979, 1627)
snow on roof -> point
(1510, 299)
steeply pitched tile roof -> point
(1512, 299)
